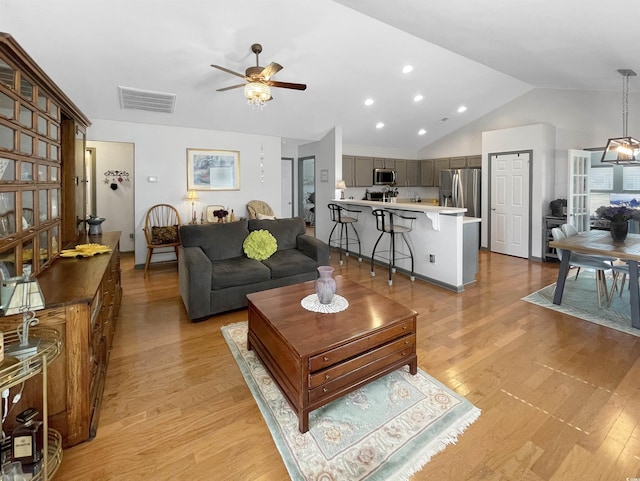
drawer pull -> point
(324, 389)
(325, 358)
(404, 353)
(404, 328)
(326, 376)
(406, 342)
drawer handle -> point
(404, 353)
(326, 376)
(325, 358)
(324, 389)
(404, 328)
(406, 342)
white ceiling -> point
(480, 54)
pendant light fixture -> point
(625, 149)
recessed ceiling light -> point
(368, 102)
(422, 132)
(418, 98)
(407, 68)
(379, 125)
(462, 108)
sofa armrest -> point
(314, 248)
(194, 280)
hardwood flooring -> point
(560, 397)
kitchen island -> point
(444, 241)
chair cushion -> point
(289, 262)
(259, 245)
(238, 271)
(164, 235)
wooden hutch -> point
(42, 206)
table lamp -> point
(25, 298)
(342, 186)
(192, 195)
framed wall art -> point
(213, 169)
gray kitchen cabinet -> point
(457, 162)
(413, 173)
(363, 171)
(474, 161)
(401, 173)
(438, 165)
(348, 170)
(426, 173)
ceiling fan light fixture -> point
(257, 94)
(624, 149)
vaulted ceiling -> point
(464, 52)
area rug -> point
(579, 299)
(386, 430)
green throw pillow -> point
(259, 245)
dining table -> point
(599, 242)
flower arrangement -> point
(220, 213)
(391, 191)
(618, 213)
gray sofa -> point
(215, 275)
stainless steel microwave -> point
(384, 176)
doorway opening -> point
(307, 192)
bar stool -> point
(386, 224)
(338, 216)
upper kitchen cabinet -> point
(348, 170)
(457, 162)
(41, 138)
(363, 171)
(438, 165)
(474, 161)
(426, 173)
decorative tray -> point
(85, 250)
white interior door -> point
(287, 187)
(578, 209)
(510, 204)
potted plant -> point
(619, 216)
(220, 214)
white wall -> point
(116, 206)
(582, 119)
(540, 139)
(161, 151)
(328, 156)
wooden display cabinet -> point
(82, 298)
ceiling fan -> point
(258, 80)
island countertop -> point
(413, 206)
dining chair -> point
(161, 230)
(600, 265)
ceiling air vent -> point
(137, 99)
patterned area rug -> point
(387, 430)
(579, 299)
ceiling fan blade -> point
(270, 70)
(228, 71)
(231, 87)
(286, 85)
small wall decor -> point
(213, 169)
(117, 177)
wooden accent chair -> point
(255, 207)
(162, 230)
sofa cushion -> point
(284, 230)
(238, 271)
(290, 262)
(259, 245)
(218, 241)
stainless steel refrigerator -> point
(461, 188)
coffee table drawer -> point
(346, 351)
(352, 378)
(406, 343)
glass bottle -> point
(28, 440)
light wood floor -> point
(560, 397)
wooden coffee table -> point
(315, 358)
